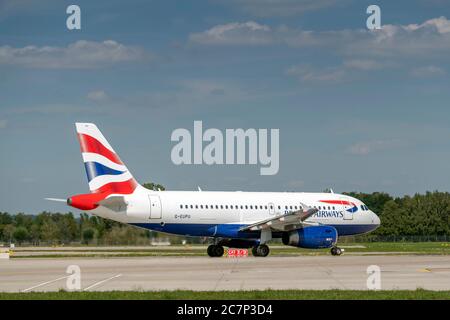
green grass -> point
(437, 248)
(419, 294)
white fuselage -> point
(206, 213)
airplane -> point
(229, 219)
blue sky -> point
(357, 109)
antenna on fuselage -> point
(199, 189)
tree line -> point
(419, 215)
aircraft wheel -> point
(210, 250)
(260, 251)
(263, 250)
(215, 251)
(336, 251)
(218, 251)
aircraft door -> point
(155, 207)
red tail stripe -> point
(125, 187)
(90, 144)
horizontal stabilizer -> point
(56, 199)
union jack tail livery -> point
(105, 171)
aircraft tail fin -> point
(105, 171)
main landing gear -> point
(215, 250)
(260, 251)
(336, 251)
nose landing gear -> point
(336, 251)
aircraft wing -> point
(286, 222)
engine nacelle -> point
(314, 237)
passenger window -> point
(226, 207)
(201, 206)
(265, 207)
(279, 207)
(290, 207)
(192, 206)
(181, 206)
(261, 207)
(196, 206)
(221, 206)
(271, 207)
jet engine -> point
(314, 237)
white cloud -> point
(361, 50)
(430, 37)
(364, 148)
(80, 54)
(268, 8)
(247, 33)
(97, 96)
(427, 71)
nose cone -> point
(375, 220)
